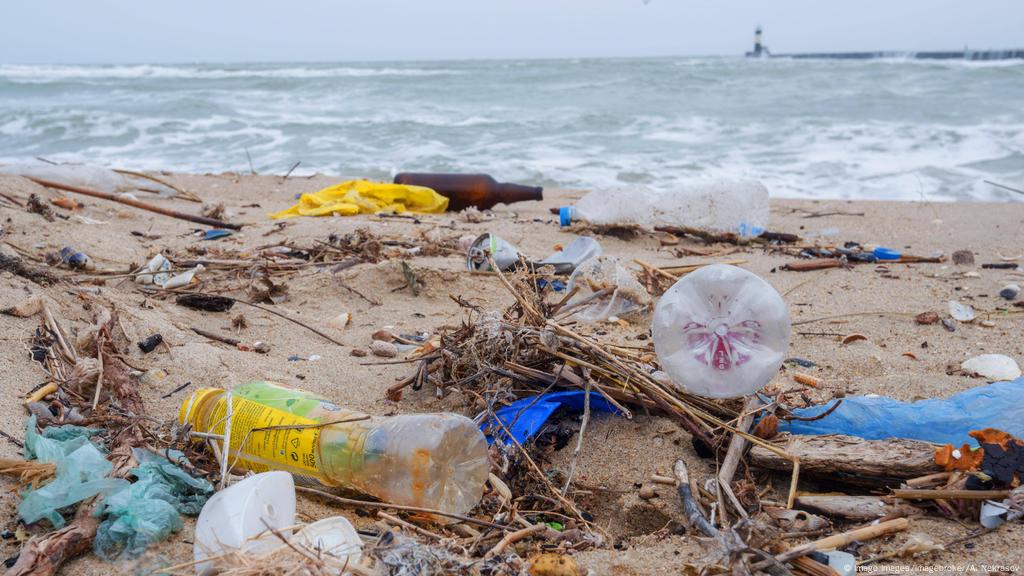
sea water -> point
(880, 129)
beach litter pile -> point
(484, 456)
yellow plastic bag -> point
(364, 197)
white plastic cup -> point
(721, 332)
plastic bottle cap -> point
(565, 215)
(189, 411)
(883, 253)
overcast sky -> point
(115, 31)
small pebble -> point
(949, 324)
(383, 335)
(1010, 292)
(383, 349)
(358, 352)
(647, 492)
(929, 317)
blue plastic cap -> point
(565, 215)
(887, 254)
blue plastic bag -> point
(525, 416)
(942, 421)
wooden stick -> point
(512, 538)
(911, 494)
(217, 337)
(399, 522)
(136, 204)
(809, 265)
(368, 504)
(837, 541)
(736, 446)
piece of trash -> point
(883, 254)
(383, 349)
(605, 288)
(81, 471)
(335, 541)
(961, 312)
(156, 271)
(941, 421)
(243, 516)
(1000, 266)
(556, 285)
(575, 253)
(802, 362)
(206, 302)
(917, 544)
(480, 191)
(150, 343)
(74, 259)
(341, 321)
(150, 509)
(504, 254)
(312, 437)
(314, 358)
(929, 317)
(365, 197)
(963, 258)
(215, 234)
(66, 203)
(1009, 292)
(853, 338)
(949, 324)
(844, 563)
(994, 514)
(721, 332)
(738, 206)
(992, 367)
(525, 417)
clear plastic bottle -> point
(739, 206)
(429, 460)
(721, 332)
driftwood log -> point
(852, 460)
(857, 508)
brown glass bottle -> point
(465, 190)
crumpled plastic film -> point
(365, 197)
(148, 510)
(81, 471)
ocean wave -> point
(58, 73)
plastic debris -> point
(150, 509)
(577, 252)
(506, 256)
(237, 516)
(334, 540)
(81, 471)
(524, 417)
(431, 460)
(993, 367)
(961, 312)
(883, 254)
(606, 289)
(215, 233)
(942, 421)
(341, 321)
(994, 514)
(721, 332)
(157, 271)
(364, 197)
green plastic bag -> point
(81, 471)
(148, 510)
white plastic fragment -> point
(961, 312)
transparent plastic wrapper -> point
(429, 460)
(95, 177)
(721, 332)
(723, 205)
(605, 289)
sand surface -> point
(618, 454)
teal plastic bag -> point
(148, 510)
(81, 471)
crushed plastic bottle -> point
(739, 206)
(429, 460)
(721, 332)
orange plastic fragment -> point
(66, 203)
(993, 436)
(964, 458)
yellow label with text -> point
(265, 438)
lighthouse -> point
(760, 50)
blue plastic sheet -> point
(525, 416)
(943, 421)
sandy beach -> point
(898, 358)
